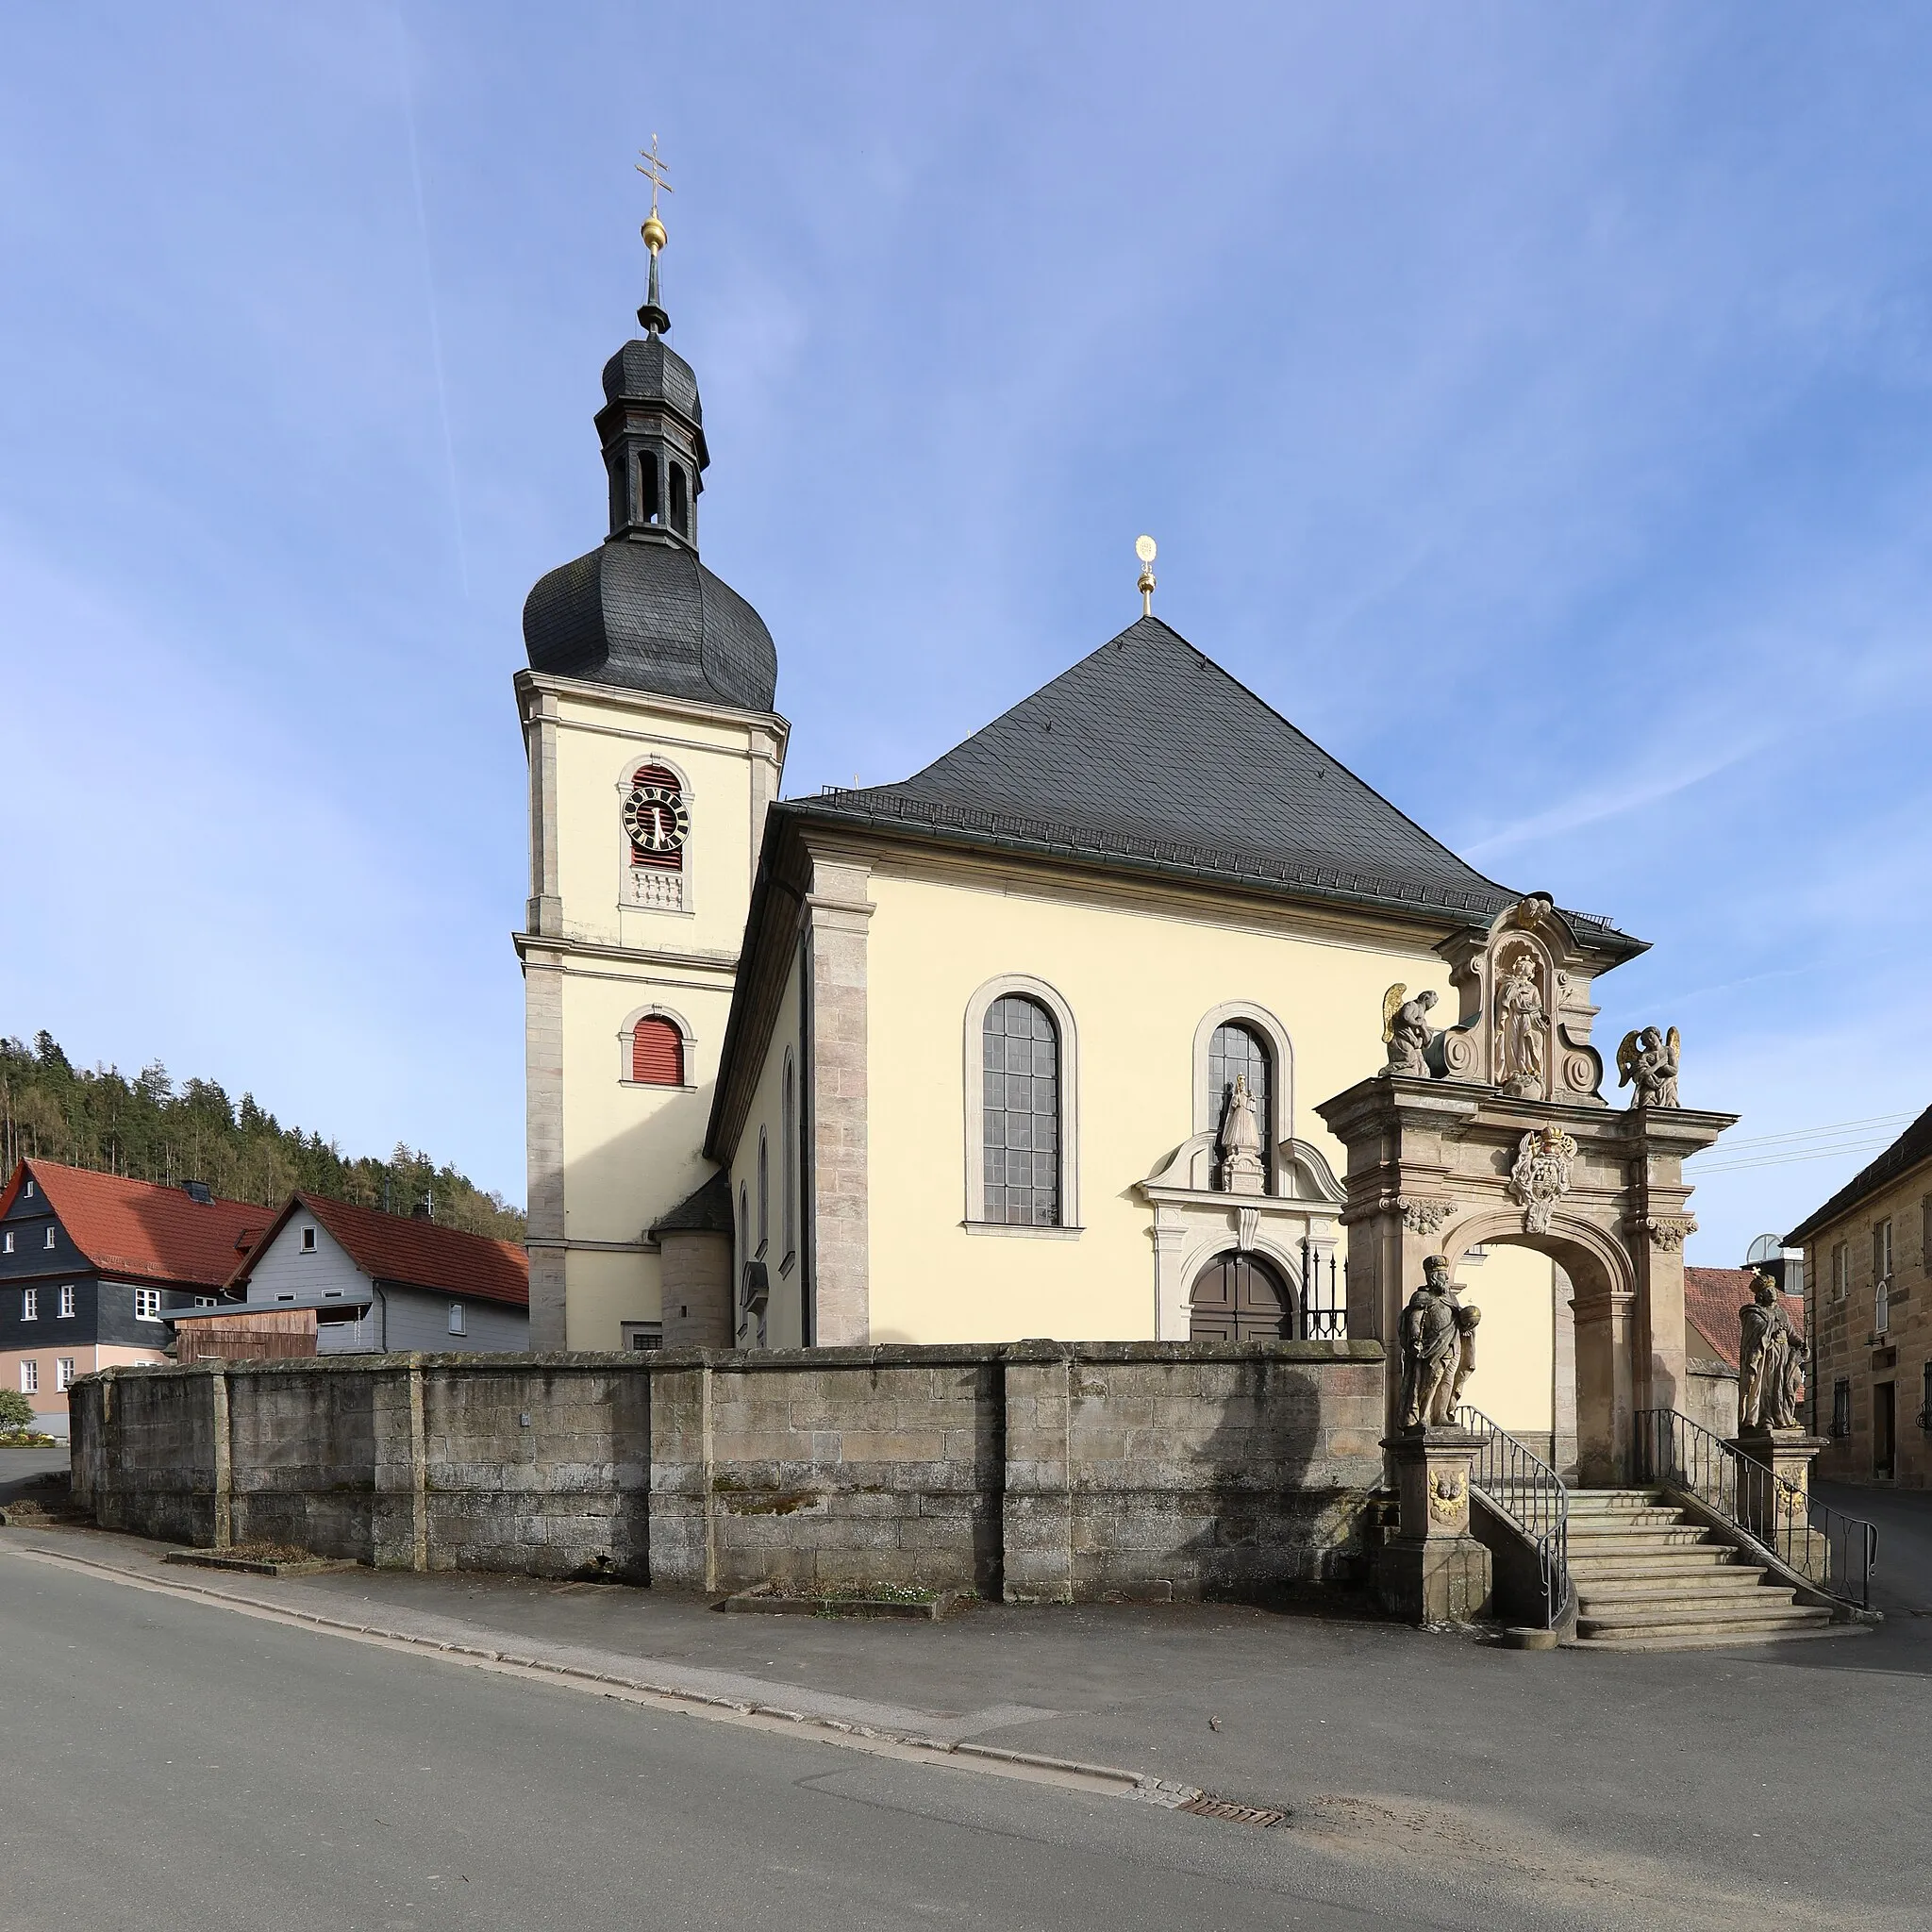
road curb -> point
(1103, 1779)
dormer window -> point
(309, 1241)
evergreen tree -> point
(150, 1130)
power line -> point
(1787, 1160)
(1872, 1122)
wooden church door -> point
(1240, 1298)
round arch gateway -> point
(1240, 1297)
(1456, 1143)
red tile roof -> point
(140, 1230)
(411, 1253)
(1712, 1299)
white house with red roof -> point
(329, 1277)
(91, 1265)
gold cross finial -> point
(652, 169)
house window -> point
(208, 1301)
(1881, 1277)
(1238, 1051)
(764, 1194)
(657, 1052)
(643, 1334)
(63, 1372)
(70, 1297)
(1841, 1406)
(1840, 1270)
(29, 1304)
(9, 1240)
(50, 1237)
(309, 1241)
(29, 1378)
(28, 1192)
(1020, 1114)
(458, 1319)
(147, 1305)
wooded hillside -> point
(149, 1128)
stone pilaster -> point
(838, 911)
(1433, 1571)
(543, 1143)
(544, 913)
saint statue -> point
(1406, 1028)
(1431, 1341)
(1647, 1063)
(1771, 1365)
(1520, 1022)
(1243, 1171)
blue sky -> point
(1535, 404)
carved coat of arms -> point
(1540, 1178)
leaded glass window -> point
(1021, 1106)
(1233, 1051)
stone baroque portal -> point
(1506, 1136)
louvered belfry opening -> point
(1020, 1107)
(657, 1054)
(659, 778)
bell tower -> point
(654, 751)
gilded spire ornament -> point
(652, 314)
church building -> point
(1027, 1044)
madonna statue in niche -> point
(1519, 1022)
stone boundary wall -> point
(1034, 1471)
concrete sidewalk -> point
(1765, 1774)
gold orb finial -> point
(1144, 549)
(653, 232)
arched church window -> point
(657, 1052)
(655, 818)
(788, 1130)
(1021, 1113)
(764, 1194)
(1238, 1051)
(680, 501)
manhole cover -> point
(1235, 1814)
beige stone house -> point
(1867, 1276)
(1027, 1045)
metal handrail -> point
(1836, 1551)
(1521, 1487)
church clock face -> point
(655, 818)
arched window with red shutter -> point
(657, 1052)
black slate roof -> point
(707, 1211)
(643, 613)
(1147, 752)
(1912, 1146)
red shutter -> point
(665, 778)
(657, 1054)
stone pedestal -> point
(1433, 1571)
(1776, 1517)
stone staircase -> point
(1648, 1578)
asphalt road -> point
(193, 1768)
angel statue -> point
(1406, 1028)
(1647, 1063)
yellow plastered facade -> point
(608, 1155)
(1136, 972)
(780, 1248)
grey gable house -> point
(361, 1282)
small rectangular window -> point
(1881, 1252)
(147, 1305)
(29, 1304)
(9, 1240)
(309, 1241)
(643, 1334)
(28, 1191)
(1840, 1270)
(29, 1378)
(205, 1300)
(50, 1234)
(1841, 1406)
(63, 1372)
(458, 1319)
(70, 1301)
